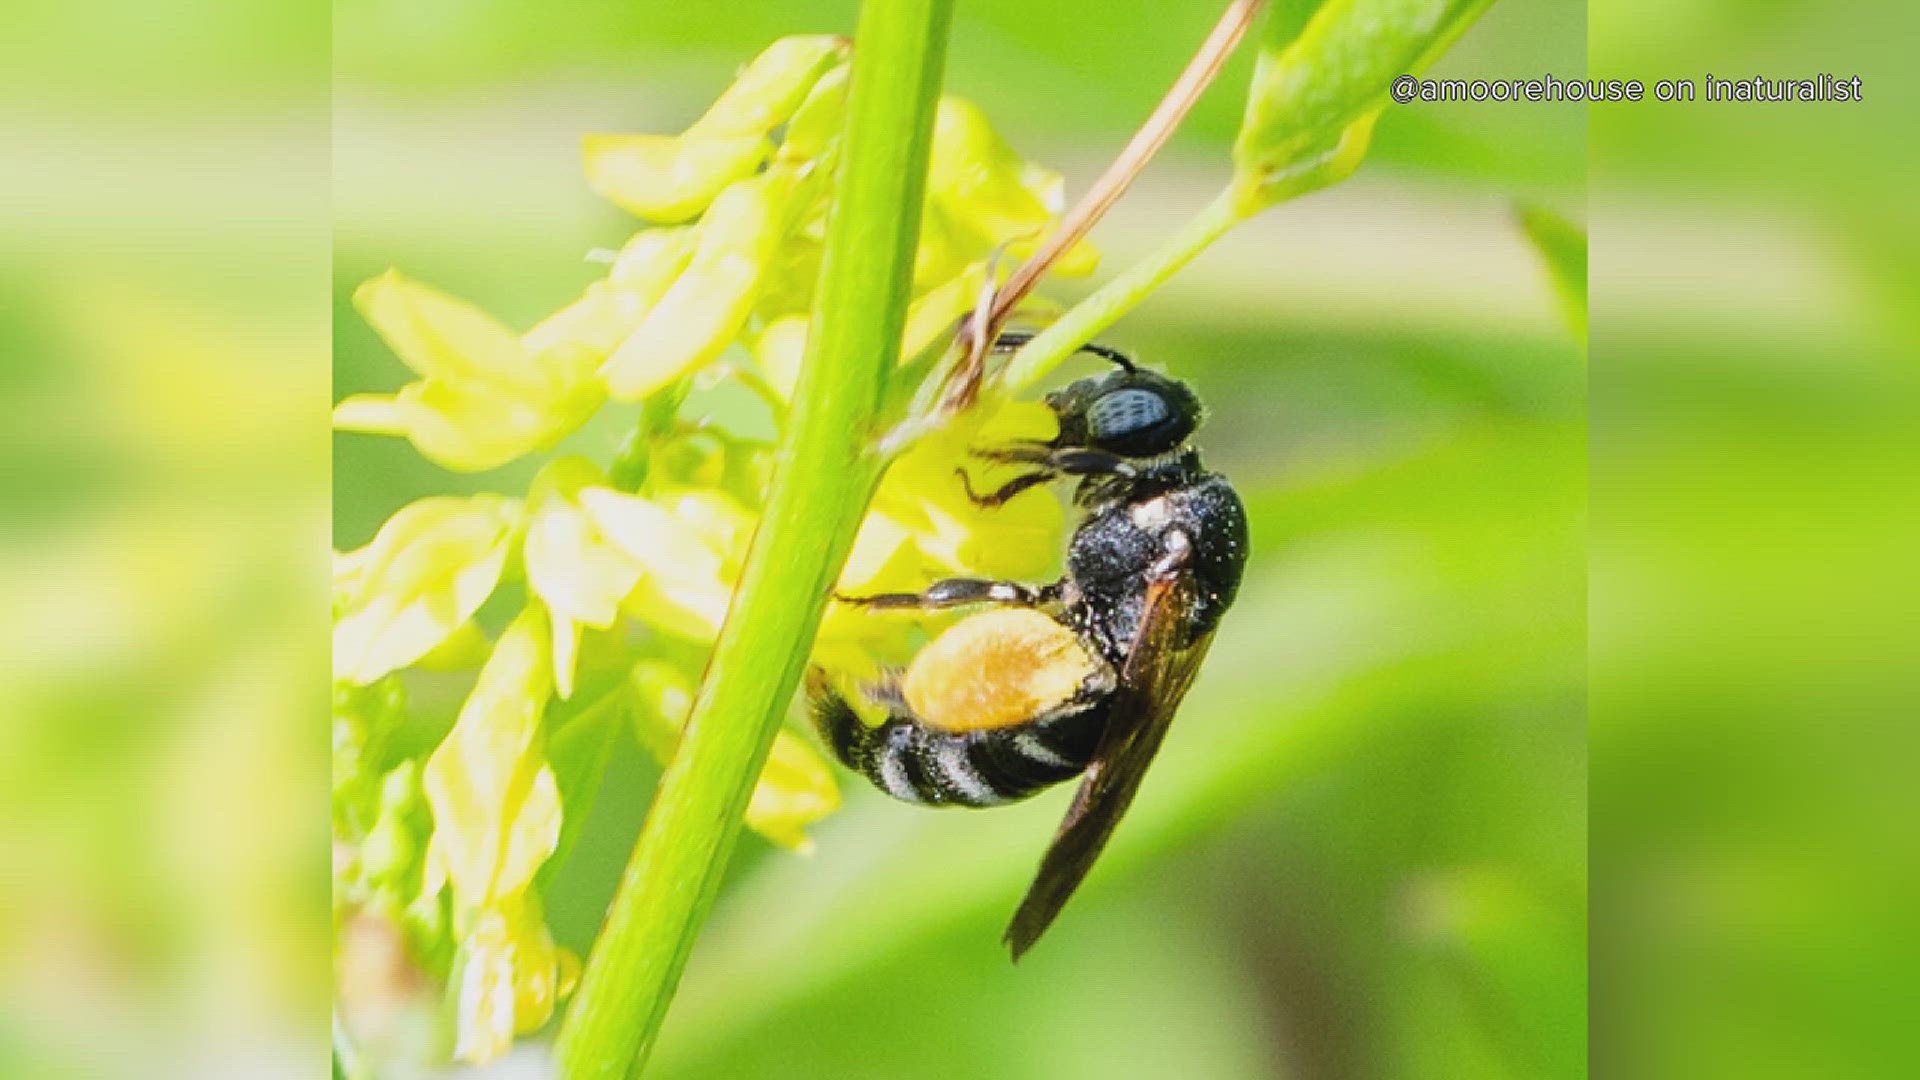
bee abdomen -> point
(917, 763)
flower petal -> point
(496, 808)
(773, 85)
(425, 574)
(669, 178)
(685, 587)
(796, 789)
(440, 336)
(705, 307)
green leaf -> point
(1321, 79)
(1563, 245)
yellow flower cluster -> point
(628, 569)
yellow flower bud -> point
(648, 263)
(713, 517)
(426, 572)
(796, 789)
(507, 977)
(779, 349)
(482, 991)
(933, 316)
(816, 125)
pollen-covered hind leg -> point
(959, 592)
(917, 763)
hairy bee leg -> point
(958, 592)
(1072, 460)
(1006, 491)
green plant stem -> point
(1037, 358)
(826, 475)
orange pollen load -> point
(996, 669)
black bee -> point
(1080, 675)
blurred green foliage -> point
(1756, 299)
(1363, 850)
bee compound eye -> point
(1125, 412)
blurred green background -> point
(1756, 296)
(1363, 850)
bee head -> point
(1132, 412)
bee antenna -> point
(1108, 353)
(1010, 340)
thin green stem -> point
(1083, 323)
(820, 490)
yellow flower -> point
(795, 789)
(980, 194)
(507, 977)
(690, 542)
(483, 397)
(703, 310)
(571, 567)
(612, 307)
(425, 573)
(669, 559)
(496, 807)
(673, 177)
(497, 814)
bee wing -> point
(1158, 670)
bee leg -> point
(1008, 490)
(1072, 460)
(958, 592)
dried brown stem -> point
(1159, 127)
